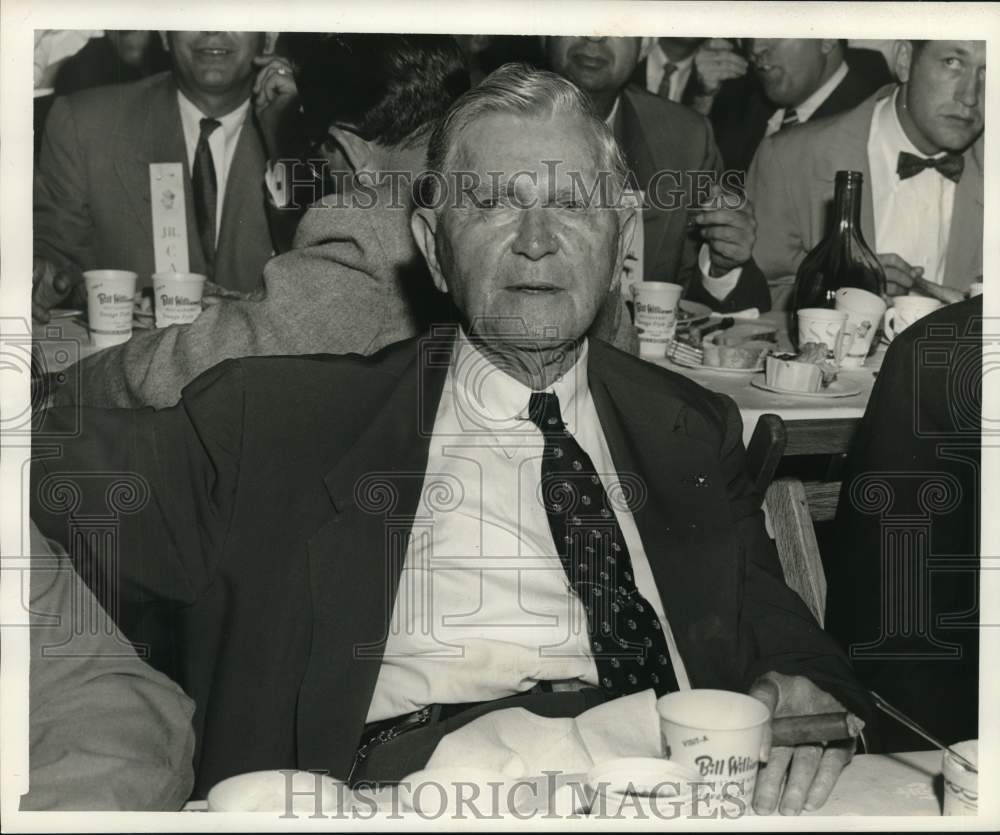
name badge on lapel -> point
(166, 192)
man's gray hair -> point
(521, 90)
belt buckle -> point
(409, 722)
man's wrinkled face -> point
(789, 69)
(525, 252)
(595, 65)
(945, 89)
(215, 62)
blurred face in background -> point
(130, 44)
(943, 93)
(595, 65)
(792, 69)
(217, 63)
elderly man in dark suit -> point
(92, 192)
(919, 145)
(360, 555)
(673, 159)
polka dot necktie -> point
(626, 637)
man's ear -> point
(903, 60)
(827, 45)
(358, 152)
(423, 225)
(270, 41)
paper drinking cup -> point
(177, 298)
(718, 734)
(864, 316)
(961, 786)
(110, 300)
(301, 793)
(655, 315)
(905, 311)
(820, 324)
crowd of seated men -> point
(253, 572)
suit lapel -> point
(244, 189)
(964, 261)
(374, 492)
(688, 546)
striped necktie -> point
(206, 191)
(790, 118)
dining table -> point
(905, 784)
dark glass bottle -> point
(841, 259)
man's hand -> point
(50, 285)
(729, 233)
(275, 82)
(714, 62)
(812, 769)
(899, 275)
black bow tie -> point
(950, 165)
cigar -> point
(818, 727)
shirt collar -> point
(229, 124)
(487, 399)
(891, 135)
(805, 110)
(658, 58)
(610, 121)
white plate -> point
(715, 369)
(696, 309)
(838, 388)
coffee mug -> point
(864, 315)
(905, 311)
(820, 324)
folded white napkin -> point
(517, 743)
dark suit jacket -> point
(908, 525)
(666, 145)
(272, 513)
(741, 111)
(91, 195)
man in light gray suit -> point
(92, 195)
(919, 145)
(354, 281)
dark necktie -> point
(950, 165)
(790, 118)
(206, 190)
(626, 637)
(663, 91)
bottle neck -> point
(847, 207)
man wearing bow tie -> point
(919, 145)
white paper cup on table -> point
(864, 316)
(282, 791)
(961, 786)
(655, 315)
(717, 733)
(820, 324)
(110, 300)
(905, 311)
(177, 298)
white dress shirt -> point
(484, 608)
(656, 63)
(222, 141)
(805, 110)
(912, 216)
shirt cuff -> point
(719, 287)
(276, 180)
